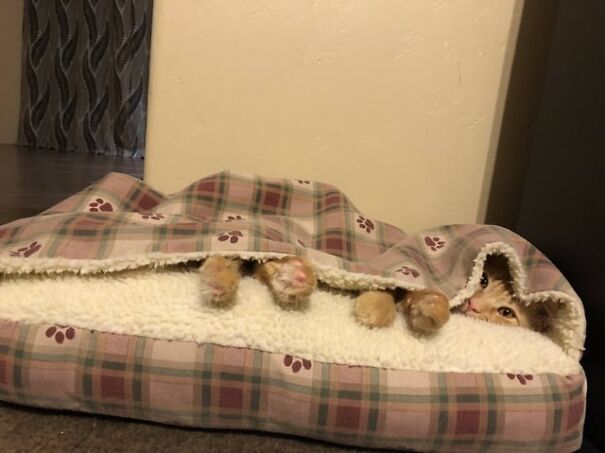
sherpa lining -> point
(567, 330)
(168, 304)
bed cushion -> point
(97, 315)
(212, 386)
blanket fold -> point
(120, 223)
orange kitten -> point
(495, 301)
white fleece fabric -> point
(168, 304)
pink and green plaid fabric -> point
(120, 218)
(212, 386)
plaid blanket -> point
(121, 223)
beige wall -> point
(396, 102)
(11, 18)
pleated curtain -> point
(85, 75)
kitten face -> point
(494, 302)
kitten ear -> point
(542, 314)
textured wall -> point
(396, 102)
(11, 17)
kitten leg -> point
(426, 311)
(291, 279)
(375, 308)
(220, 279)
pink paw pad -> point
(294, 271)
(217, 290)
(299, 278)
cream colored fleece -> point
(167, 303)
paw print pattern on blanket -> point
(231, 236)
(151, 216)
(100, 205)
(27, 251)
(434, 243)
(365, 224)
(522, 378)
(61, 333)
(297, 364)
(405, 270)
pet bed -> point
(99, 314)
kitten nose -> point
(299, 278)
(472, 305)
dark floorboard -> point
(31, 181)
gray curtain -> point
(85, 75)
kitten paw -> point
(375, 308)
(220, 279)
(291, 280)
(426, 311)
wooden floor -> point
(34, 180)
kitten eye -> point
(507, 312)
(484, 280)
